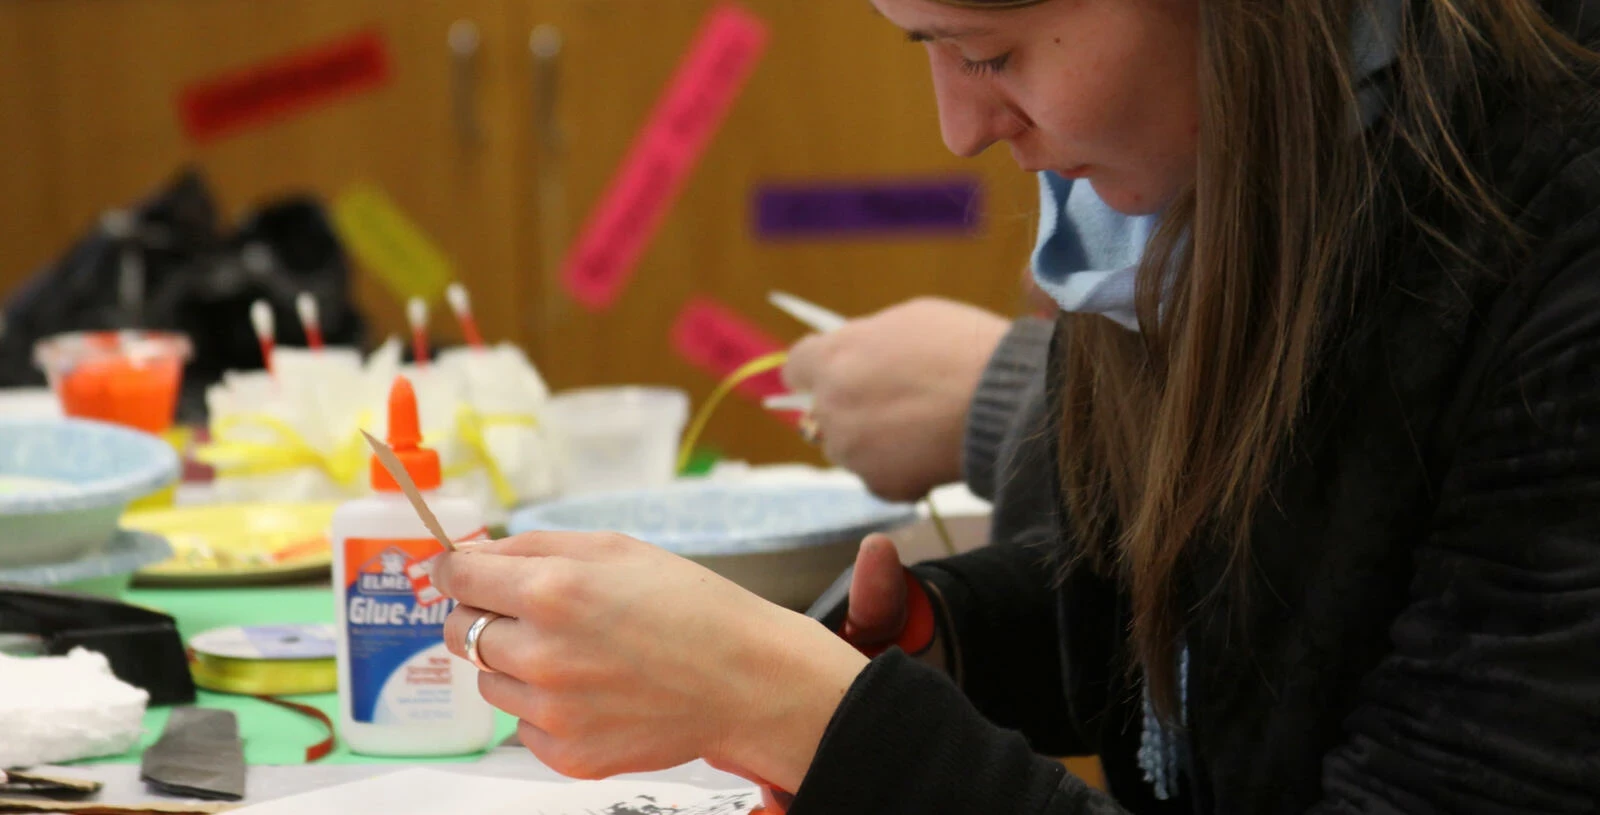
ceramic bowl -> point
(106, 571)
(786, 543)
(64, 483)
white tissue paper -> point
(294, 436)
(509, 402)
(65, 708)
(276, 438)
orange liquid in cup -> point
(142, 395)
(130, 378)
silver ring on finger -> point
(474, 634)
(810, 431)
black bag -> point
(167, 264)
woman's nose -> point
(972, 113)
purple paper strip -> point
(942, 206)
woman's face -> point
(1103, 90)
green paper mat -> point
(271, 734)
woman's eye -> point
(985, 67)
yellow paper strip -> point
(391, 245)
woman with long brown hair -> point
(1324, 424)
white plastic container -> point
(619, 438)
(401, 693)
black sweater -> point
(1423, 626)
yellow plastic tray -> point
(238, 544)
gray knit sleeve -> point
(1011, 388)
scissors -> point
(831, 609)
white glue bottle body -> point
(401, 692)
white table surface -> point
(266, 783)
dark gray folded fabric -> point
(199, 755)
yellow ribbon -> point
(470, 427)
(258, 677)
(744, 373)
(288, 450)
(747, 371)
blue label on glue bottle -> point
(394, 619)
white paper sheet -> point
(430, 792)
(270, 783)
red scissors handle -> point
(915, 638)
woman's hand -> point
(620, 657)
(893, 391)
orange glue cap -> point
(405, 438)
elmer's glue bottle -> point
(401, 693)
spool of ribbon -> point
(275, 660)
(268, 662)
(261, 677)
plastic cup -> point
(619, 438)
(131, 378)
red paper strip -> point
(283, 87)
(693, 106)
(717, 340)
(321, 749)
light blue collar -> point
(1088, 254)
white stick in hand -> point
(818, 318)
(790, 402)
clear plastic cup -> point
(619, 438)
(129, 378)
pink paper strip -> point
(676, 135)
(714, 338)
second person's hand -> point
(892, 391)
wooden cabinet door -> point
(502, 168)
(89, 118)
(839, 96)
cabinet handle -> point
(545, 45)
(464, 41)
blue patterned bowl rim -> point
(834, 513)
(106, 464)
(127, 552)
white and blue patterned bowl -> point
(64, 483)
(786, 543)
(107, 572)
